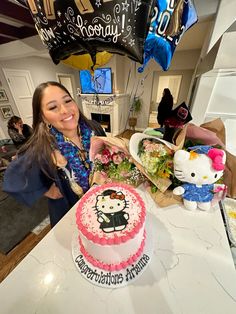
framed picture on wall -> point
(3, 95)
(6, 111)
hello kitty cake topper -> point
(110, 206)
(199, 169)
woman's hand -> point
(53, 192)
(19, 127)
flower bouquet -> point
(154, 158)
(112, 162)
(157, 160)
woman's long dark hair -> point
(41, 145)
(13, 120)
(167, 96)
(165, 106)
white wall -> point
(226, 53)
(206, 7)
(41, 70)
(204, 88)
(183, 62)
(214, 94)
(223, 100)
(215, 97)
(224, 19)
(184, 86)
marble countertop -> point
(191, 271)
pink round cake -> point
(111, 223)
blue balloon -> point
(170, 20)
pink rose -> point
(117, 158)
(124, 174)
(103, 174)
(98, 157)
(105, 156)
(105, 159)
(146, 142)
(150, 147)
(106, 152)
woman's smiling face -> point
(59, 109)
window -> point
(172, 82)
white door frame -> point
(2, 134)
(30, 84)
(72, 77)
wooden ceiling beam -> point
(16, 13)
(5, 40)
(13, 32)
(8, 31)
(25, 32)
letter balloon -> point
(90, 26)
(170, 20)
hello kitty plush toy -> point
(199, 169)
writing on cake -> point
(101, 277)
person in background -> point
(165, 107)
(18, 132)
(55, 160)
(3, 164)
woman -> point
(18, 132)
(165, 107)
(55, 161)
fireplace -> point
(111, 111)
(103, 119)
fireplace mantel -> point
(110, 110)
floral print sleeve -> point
(15, 136)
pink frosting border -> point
(113, 267)
(116, 240)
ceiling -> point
(18, 36)
(16, 22)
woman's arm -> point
(53, 192)
(26, 184)
(15, 136)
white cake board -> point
(114, 279)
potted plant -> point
(134, 111)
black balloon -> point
(88, 26)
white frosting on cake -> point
(116, 253)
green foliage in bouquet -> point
(156, 158)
